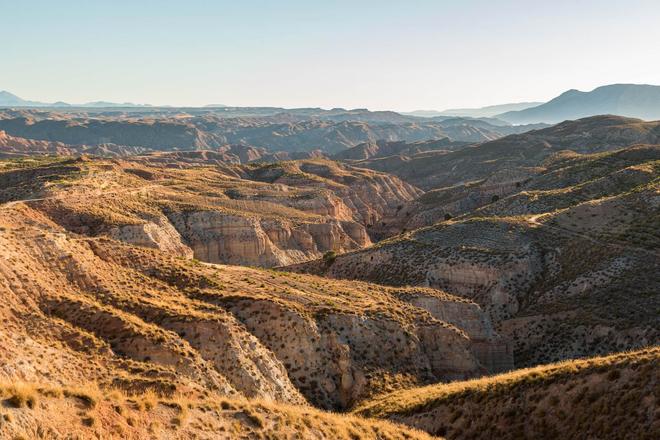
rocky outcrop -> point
(365, 196)
(157, 234)
(219, 237)
(331, 358)
(493, 352)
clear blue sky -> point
(400, 55)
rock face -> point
(491, 350)
(366, 197)
(224, 238)
(158, 234)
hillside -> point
(561, 170)
(46, 411)
(157, 320)
(517, 153)
(566, 265)
(457, 182)
(381, 149)
(631, 100)
(609, 397)
(256, 214)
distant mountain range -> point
(631, 100)
(482, 112)
(10, 100)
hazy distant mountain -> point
(99, 104)
(632, 100)
(10, 100)
(483, 112)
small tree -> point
(329, 257)
(448, 216)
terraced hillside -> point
(611, 397)
(566, 267)
(255, 214)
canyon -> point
(245, 290)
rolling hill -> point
(609, 397)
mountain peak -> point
(631, 100)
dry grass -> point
(189, 417)
(615, 393)
(21, 395)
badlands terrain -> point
(262, 273)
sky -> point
(395, 55)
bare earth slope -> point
(610, 397)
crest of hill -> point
(519, 151)
(605, 397)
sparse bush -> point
(329, 257)
(22, 396)
(90, 396)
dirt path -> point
(534, 221)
